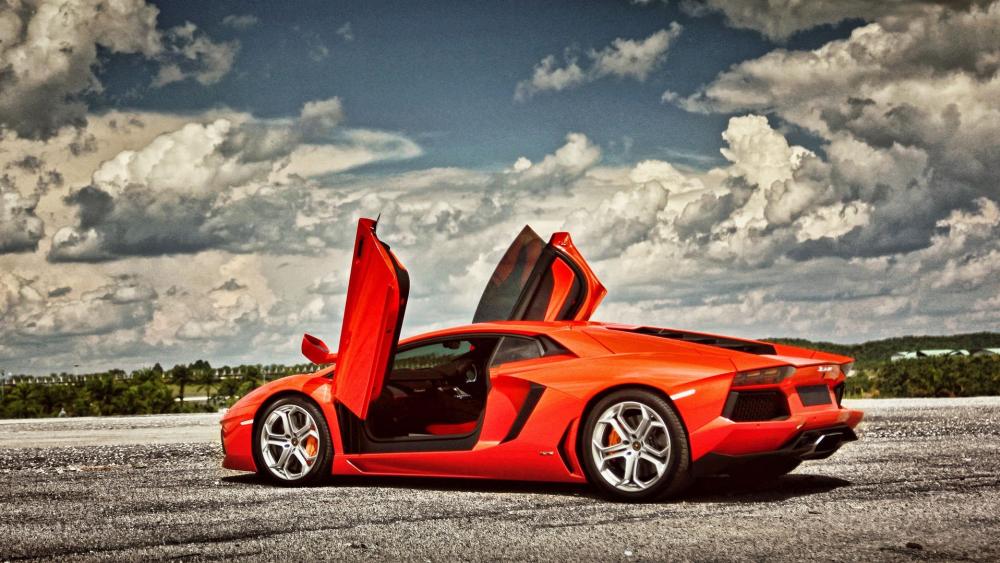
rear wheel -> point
(292, 443)
(634, 447)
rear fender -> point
(697, 386)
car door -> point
(376, 300)
(535, 281)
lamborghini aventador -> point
(533, 389)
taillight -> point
(768, 376)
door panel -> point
(532, 456)
(506, 397)
(376, 302)
(557, 295)
(509, 279)
(594, 290)
(540, 282)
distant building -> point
(986, 352)
(942, 352)
(934, 353)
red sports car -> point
(534, 390)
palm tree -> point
(252, 376)
(204, 375)
(180, 376)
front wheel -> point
(634, 447)
(292, 443)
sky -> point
(182, 180)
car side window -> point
(513, 349)
(431, 355)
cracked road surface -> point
(923, 483)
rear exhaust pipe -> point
(827, 443)
(821, 444)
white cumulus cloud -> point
(623, 58)
(50, 50)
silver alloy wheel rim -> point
(289, 442)
(631, 446)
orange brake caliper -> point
(311, 444)
(614, 438)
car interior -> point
(439, 389)
(434, 389)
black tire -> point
(675, 477)
(319, 470)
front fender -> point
(240, 421)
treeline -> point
(868, 354)
(156, 391)
(945, 376)
(143, 391)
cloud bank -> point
(238, 183)
(856, 197)
(50, 52)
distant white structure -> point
(937, 353)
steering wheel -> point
(462, 372)
(471, 373)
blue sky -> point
(182, 179)
(444, 73)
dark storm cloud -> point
(82, 143)
(138, 223)
(30, 163)
(20, 227)
(93, 205)
(60, 291)
(48, 180)
(230, 285)
(700, 216)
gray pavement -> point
(922, 484)
(109, 430)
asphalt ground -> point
(922, 484)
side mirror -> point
(315, 350)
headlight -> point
(769, 376)
(847, 369)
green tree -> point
(180, 375)
(103, 389)
(252, 376)
(18, 403)
(204, 375)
